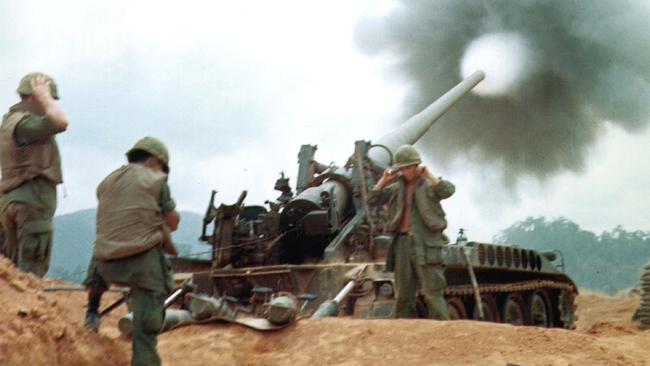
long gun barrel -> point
(415, 127)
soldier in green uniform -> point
(417, 221)
(135, 216)
(31, 170)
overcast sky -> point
(235, 87)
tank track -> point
(565, 305)
(468, 290)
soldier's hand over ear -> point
(424, 172)
(43, 96)
(41, 89)
(388, 177)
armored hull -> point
(516, 285)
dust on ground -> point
(38, 328)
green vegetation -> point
(608, 262)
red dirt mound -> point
(39, 328)
(44, 328)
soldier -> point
(417, 221)
(135, 215)
(642, 314)
(31, 170)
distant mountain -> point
(74, 235)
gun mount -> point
(307, 243)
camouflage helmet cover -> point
(25, 85)
(406, 155)
(154, 147)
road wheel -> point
(490, 309)
(513, 311)
(538, 310)
(567, 309)
(456, 308)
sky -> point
(234, 89)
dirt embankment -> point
(45, 328)
(605, 335)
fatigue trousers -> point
(150, 279)
(27, 237)
(148, 316)
(411, 273)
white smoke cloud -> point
(505, 58)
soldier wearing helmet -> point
(135, 215)
(31, 170)
(417, 221)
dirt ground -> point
(45, 328)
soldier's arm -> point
(441, 188)
(381, 195)
(168, 208)
(34, 128)
(378, 193)
(42, 95)
(444, 189)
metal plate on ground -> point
(259, 323)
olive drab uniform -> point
(416, 256)
(31, 169)
(129, 249)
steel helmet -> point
(154, 147)
(406, 155)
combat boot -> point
(92, 320)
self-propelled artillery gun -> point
(325, 242)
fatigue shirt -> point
(40, 192)
(425, 211)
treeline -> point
(609, 262)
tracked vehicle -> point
(326, 241)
